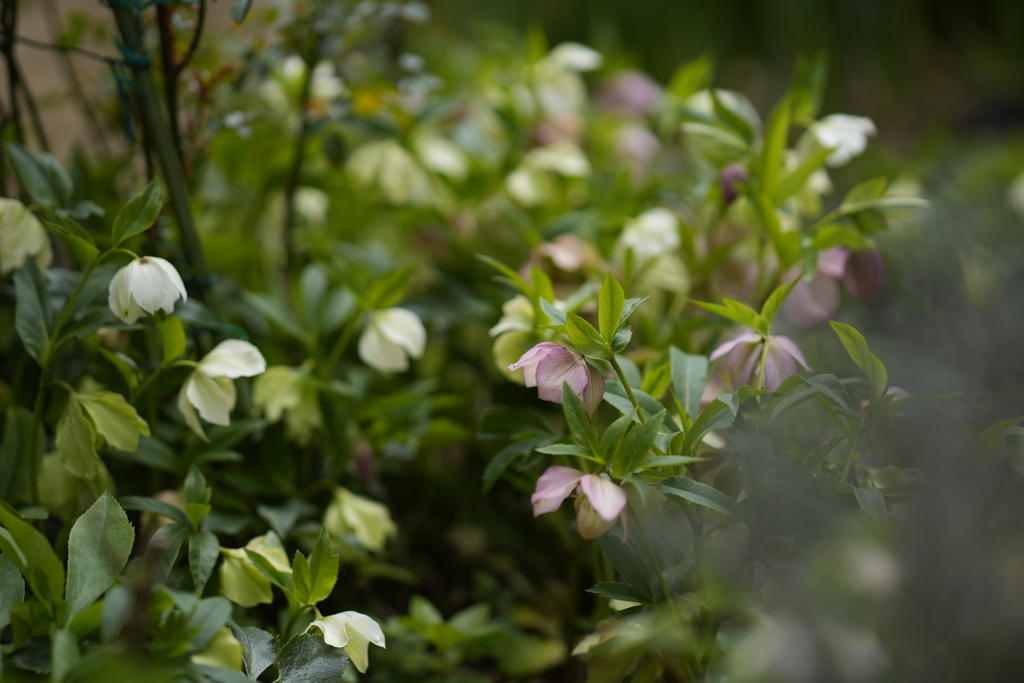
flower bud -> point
(864, 273)
(146, 284)
(732, 174)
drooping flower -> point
(354, 632)
(240, 581)
(559, 87)
(210, 389)
(393, 335)
(549, 365)
(743, 358)
(369, 521)
(599, 502)
(732, 174)
(146, 284)
(653, 233)
(21, 235)
(847, 135)
(517, 315)
(813, 301)
(630, 94)
(290, 392)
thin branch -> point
(295, 172)
(39, 45)
(9, 21)
(33, 110)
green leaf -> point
(98, 549)
(712, 418)
(260, 648)
(871, 501)
(775, 137)
(736, 311)
(172, 336)
(585, 338)
(613, 590)
(636, 445)
(568, 449)
(64, 654)
(838, 235)
(692, 76)
(831, 387)
(41, 175)
(613, 436)
(124, 364)
(556, 316)
(808, 87)
(196, 488)
(271, 309)
(795, 180)
(689, 375)
(203, 550)
(76, 441)
(196, 513)
(15, 458)
(390, 289)
(12, 590)
(31, 553)
(156, 507)
(115, 419)
(543, 290)
(209, 617)
(633, 564)
(138, 214)
(610, 305)
(699, 493)
(269, 571)
(514, 278)
(33, 315)
(76, 237)
(314, 580)
(866, 190)
(774, 303)
(578, 419)
(858, 349)
(506, 456)
(239, 10)
(308, 659)
(667, 461)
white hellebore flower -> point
(210, 389)
(655, 232)
(146, 284)
(848, 135)
(21, 235)
(352, 631)
(392, 336)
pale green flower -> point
(240, 580)
(21, 235)
(352, 631)
(393, 335)
(210, 389)
(290, 392)
(369, 521)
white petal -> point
(575, 57)
(402, 327)
(333, 628)
(212, 397)
(147, 284)
(233, 358)
(381, 353)
(120, 299)
(173, 277)
(191, 419)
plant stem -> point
(339, 346)
(174, 175)
(854, 442)
(629, 389)
(9, 23)
(295, 172)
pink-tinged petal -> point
(833, 261)
(864, 273)
(786, 344)
(812, 302)
(558, 367)
(553, 487)
(741, 363)
(594, 392)
(745, 338)
(777, 367)
(589, 523)
(607, 498)
(529, 360)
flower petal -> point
(529, 360)
(607, 498)
(790, 347)
(233, 358)
(212, 397)
(553, 487)
(589, 523)
(594, 393)
(812, 302)
(189, 413)
(172, 276)
(402, 327)
(333, 628)
(120, 298)
(745, 338)
(381, 353)
(558, 367)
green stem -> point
(174, 175)
(761, 365)
(854, 442)
(629, 389)
(339, 346)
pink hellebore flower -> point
(743, 357)
(597, 509)
(548, 365)
(815, 300)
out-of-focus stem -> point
(629, 389)
(295, 173)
